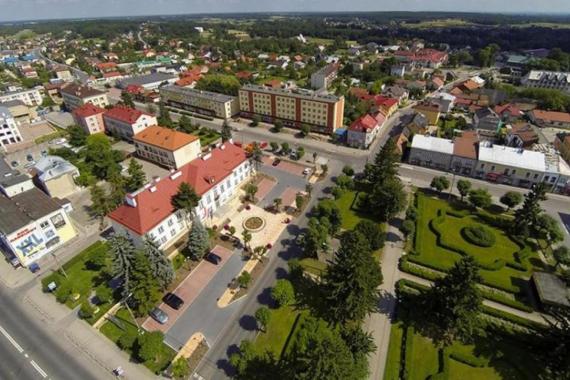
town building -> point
(56, 176)
(547, 79)
(396, 92)
(324, 113)
(432, 152)
(31, 97)
(64, 74)
(508, 112)
(202, 102)
(125, 122)
(19, 111)
(13, 182)
(322, 78)
(445, 101)
(90, 118)
(167, 147)
(431, 112)
(521, 136)
(362, 131)
(32, 225)
(487, 122)
(562, 144)
(75, 95)
(422, 57)
(9, 132)
(216, 177)
(149, 81)
(465, 153)
(550, 119)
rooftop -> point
(191, 92)
(432, 144)
(153, 201)
(141, 80)
(550, 289)
(551, 116)
(298, 93)
(513, 157)
(164, 138)
(363, 124)
(88, 109)
(50, 167)
(80, 91)
(466, 145)
(24, 208)
(125, 114)
(10, 177)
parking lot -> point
(287, 166)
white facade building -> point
(9, 133)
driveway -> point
(287, 166)
(203, 314)
(285, 180)
(190, 289)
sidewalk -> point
(379, 323)
(61, 321)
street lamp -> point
(124, 301)
(57, 265)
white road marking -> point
(11, 340)
(39, 369)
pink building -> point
(90, 118)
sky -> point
(11, 10)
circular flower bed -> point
(479, 235)
(254, 224)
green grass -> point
(113, 332)
(348, 205)
(425, 360)
(208, 136)
(313, 266)
(278, 330)
(392, 370)
(81, 279)
(428, 252)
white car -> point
(307, 171)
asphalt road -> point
(28, 352)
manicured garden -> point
(85, 279)
(279, 331)
(348, 206)
(129, 339)
(441, 239)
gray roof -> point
(192, 92)
(50, 167)
(24, 208)
(551, 289)
(141, 80)
(10, 177)
(297, 93)
(13, 103)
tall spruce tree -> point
(451, 307)
(556, 342)
(185, 200)
(137, 176)
(526, 217)
(351, 281)
(144, 286)
(198, 240)
(226, 132)
(123, 255)
(159, 264)
(385, 163)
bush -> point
(178, 261)
(86, 311)
(283, 293)
(408, 227)
(104, 294)
(127, 341)
(337, 192)
(150, 346)
(412, 213)
(470, 360)
(479, 235)
(63, 292)
(180, 368)
(345, 182)
(348, 170)
(244, 279)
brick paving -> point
(264, 187)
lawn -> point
(114, 333)
(278, 330)
(82, 279)
(488, 358)
(348, 205)
(430, 252)
(208, 136)
(313, 266)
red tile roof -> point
(112, 74)
(134, 89)
(466, 145)
(124, 114)
(431, 55)
(106, 65)
(186, 81)
(358, 92)
(153, 202)
(244, 74)
(561, 117)
(87, 110)
(512, 109)
(363, 124)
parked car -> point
(14, 164)
(159, 315)
(30, 158)
(213, 258)
(307, 171)
(276, 162)
(173, 301)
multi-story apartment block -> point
(216, 178)
(324, 76)
(125, 122)
(547, 79)
(90, 118)
(202, 102)
(422, 57)
(75, 95)
(167, 147)
(9, 133)
(31, 97)
(324, 113)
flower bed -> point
(254, 224)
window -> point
(170, 222)
(44, 224)
(535, 176)
(163, 240)
(58, 221)
(160, 230)
(546, 178)
(492, 167)
(172, 233)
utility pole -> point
(451, 187)
(130, 311)
(57, 265)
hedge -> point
(408, 350)
(479, 235)
(470, 360)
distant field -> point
(239, 34)
(443, 23)
(552, 25)
(325, 41)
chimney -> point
(131, 201)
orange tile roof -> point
(363, 124)
(164, 138)
(561, 117)
(466, 145)
(153, 204)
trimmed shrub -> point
(127, 341)
(408, 227)
(470, 360)
(479, 235)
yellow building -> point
(167, 147)
(37, 225)
(431, 112)
(324, 113)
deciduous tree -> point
(511, 199)
(464, 187)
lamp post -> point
(124, 301)
(57, 264)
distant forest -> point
(480, 30)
